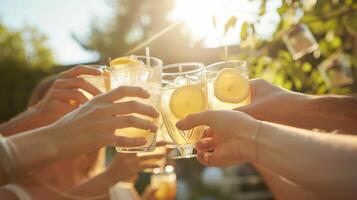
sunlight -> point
(198, 18)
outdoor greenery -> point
(334, 25)
(24, 60)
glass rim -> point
(227, 61)
(201, 68)
(159, 61)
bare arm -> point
(274, 104)
(322, 163)
(88, 128)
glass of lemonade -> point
(165, 183)
(102, 83)
(184, 92)
(159, 150)
(143, 72)
(228, 85)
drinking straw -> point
(147, 55)
(226, 52)
(153, 38)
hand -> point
(93, 124)
(125, 166)
(64, 89)
(149, 193)
(269, 102)
(229, 139)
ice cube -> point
(181, 81)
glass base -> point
(182, 152)
(134, 149)
(183, 157)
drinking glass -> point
(300, 41)
(102, 82)
(165, 183)
(227, 84)
(184, 92)
(146, 73)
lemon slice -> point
(187, 100)
(119, 62)
(230, 86)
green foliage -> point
(334, 25)
(24, 61)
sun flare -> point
(198, 17)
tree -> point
(24, 60)
(334, 25)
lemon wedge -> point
(119, 62)
(187, 100)
(230, 86)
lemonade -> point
(184, 92)
(228, 85)
(132, 71)
(102, 83)
(165, 183)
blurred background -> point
(308, 46)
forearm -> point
(283, 188)
(322, 112)
(27, 120)
(97, 186)
(315, 161)
(35, 148)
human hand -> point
(64, 96)
(93, 124)
(269, 102)
(229, 139)
(125, 167)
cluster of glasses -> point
(177, 90)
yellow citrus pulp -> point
(231, 86)
(187, 100)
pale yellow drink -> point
(134, 71)
(228, 85)
(102, 83)
(165, 183)
(184, 92)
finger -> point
(131, 121)
(80, 70)
(76, 83)
(128, 107)
(125, 91)
(207, 158)
(162, 143)
(65, 107)
(206, 144)
(129, 142)
(198, 119)
(66, 95)
(207, 133)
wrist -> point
(248, 142)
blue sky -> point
(57, 19)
